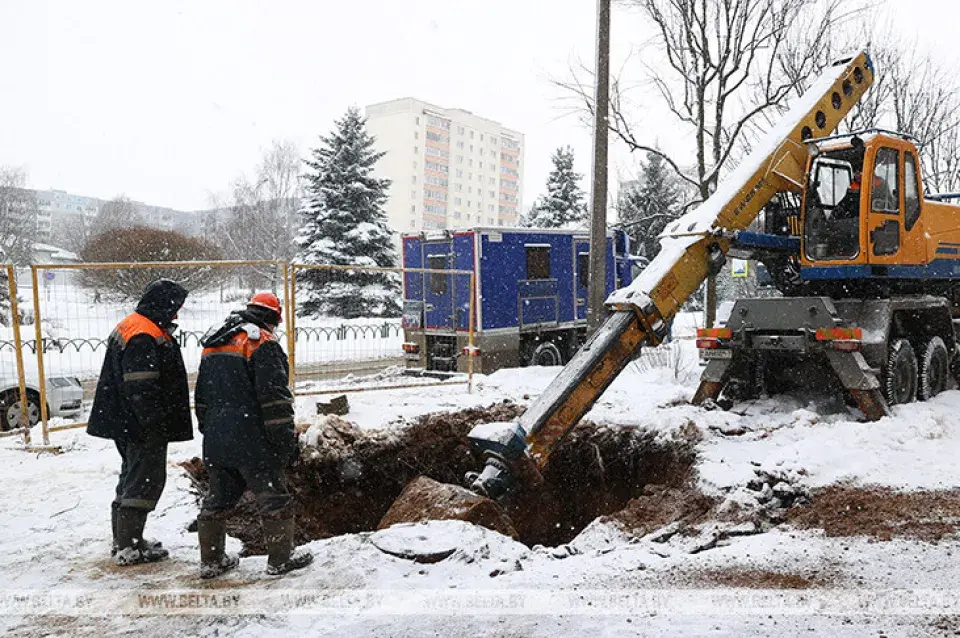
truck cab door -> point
(885, 213)
(914, 244)
(438, 287)
(581, 265)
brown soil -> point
(349, 481)
(660, 505)
(881, 513)
(760, 579)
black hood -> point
(234, 323)
(161, 301)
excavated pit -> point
(347, 478)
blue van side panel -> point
(506, 293)
(412, 258)
(503, 265)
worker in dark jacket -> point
(142, 402)
(245, 412)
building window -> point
(413, 209)
(481, 164)
(456, 215)
(414, 163)
(471, 135)
(489, 208)
(413, 194)
(538, 262)
(460, 144)
(481, 137)
(500, 222)
(492, 193)
(458, 188)
(416, 135)
(490, 220)
(459, 130)
(416, 149)
(470, 162)
(469, 203)
(413, 223)
(459, 159)
(459, 173)
(493, 181)
(493, 140)
(418, 120)
(457, 201)
(469, 175)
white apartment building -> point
(450, 168)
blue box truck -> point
(531, 295)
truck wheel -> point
(900, 373)
(546, 354)
(934, 368)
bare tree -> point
(18, 217)
(120, 212)
(723, 64)
(144, 244)
(262, 219)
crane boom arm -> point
(692, 248)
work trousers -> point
(228, 484)
(143, 474)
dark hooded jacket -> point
(142, 394)
(243, 400)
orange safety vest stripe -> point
(136, 324)
(241, 344)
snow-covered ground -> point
(56, 538)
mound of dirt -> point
(660, 505)
(760, 579)
(881, 513)
(347, 478)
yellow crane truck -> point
(869, 274)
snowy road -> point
(56, 539)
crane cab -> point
(864, 219)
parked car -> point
(64, 399)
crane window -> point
(911, 192)
(538, 262)
(832, 218)
(438, 281)
(885, 179)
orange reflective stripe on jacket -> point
(136, 324)
(241, 345)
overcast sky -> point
(168, 101)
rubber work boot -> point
(281, 555)
(132, 549)
(114, 508)
(212, 535)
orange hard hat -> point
(269, 301)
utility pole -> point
(598, 209)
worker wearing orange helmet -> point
(245, 412)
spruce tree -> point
(563, 204)
(649, 206)
(344, 223)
